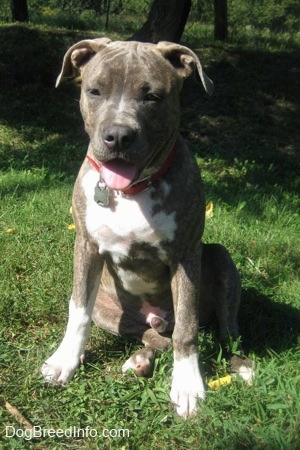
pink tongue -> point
(118, 174)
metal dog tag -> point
(101, 194)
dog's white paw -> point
(247, 374)
(60, 367)
(187, 386)
(244, 367)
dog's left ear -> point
(185, 61)
(78, 56)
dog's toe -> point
(50, 373)
(141, 362)
(60, 367)
(186, 403)
(57, 374)
(187, 386)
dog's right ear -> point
(78, 56)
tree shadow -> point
(48, 121)
(252, 118)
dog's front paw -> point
(60, 367)
(187, 386)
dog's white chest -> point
(127, 220)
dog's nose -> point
(118, 137)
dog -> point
(139, 210)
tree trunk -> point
(165, 22)
(221, 28)
(19, 10)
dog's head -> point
(130, 102)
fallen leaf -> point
(215, 384)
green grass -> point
(246, 138)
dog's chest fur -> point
(132, 233)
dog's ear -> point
(185, 61)
(78, 56)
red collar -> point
(144, 184)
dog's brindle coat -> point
(139, 256)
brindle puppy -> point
(138, 206)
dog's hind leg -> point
(109, 315)
(221, 294)
(142, 360)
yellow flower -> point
(11, 230)
(209, 210)
(71, 226)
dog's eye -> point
(94, 92)
(150, 97)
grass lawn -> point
(246, 139)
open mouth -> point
(118, 174)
